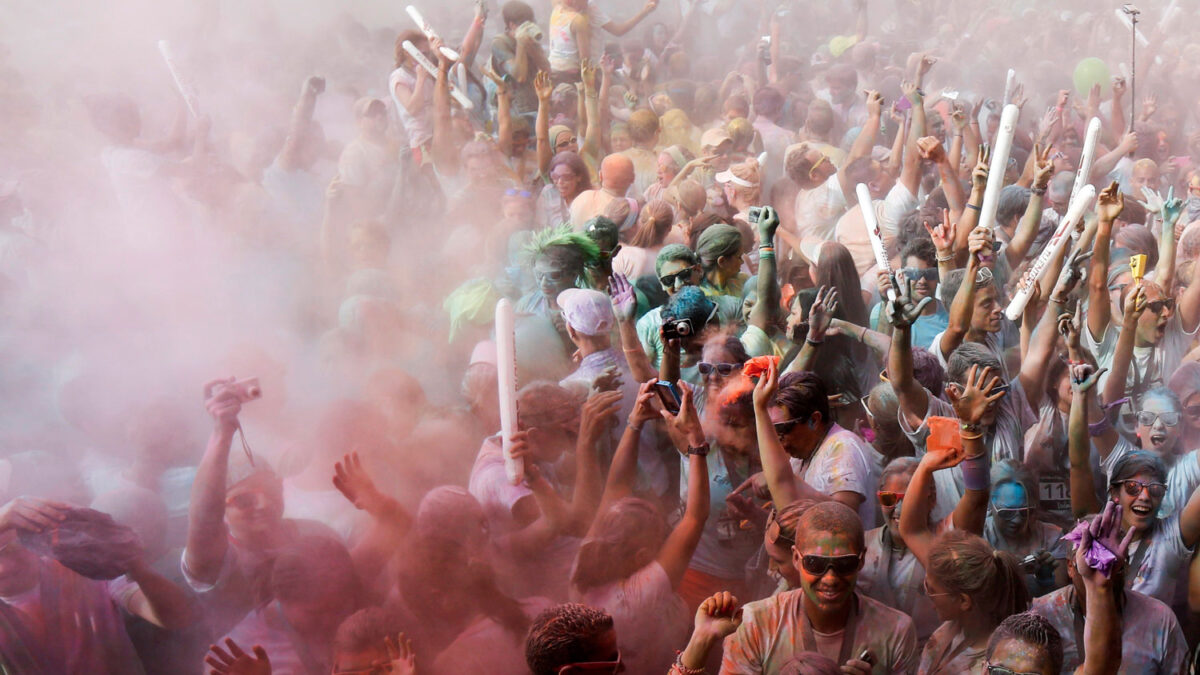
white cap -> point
(588, 312)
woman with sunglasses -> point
(1013, 525)
(568, 177)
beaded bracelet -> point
(678, 667)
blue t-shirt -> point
(924, 328)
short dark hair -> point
(1033, 629)
(515, 13)
(563, 635)
(928, 370)
(833, 518)
(921, 249)
(801, 394)
(768, 102)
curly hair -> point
(563, 635)
(1032, 629)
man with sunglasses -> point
(921, 268)
(826, 614)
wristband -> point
(678, 667)
(1099, 428)
(972, 206)
(971, 427)
(701, 450)
(976, 472)
(812, 341)
(1038, 191)
(945, 258)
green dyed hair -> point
(586, 251)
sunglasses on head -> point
(1010, 513)
(915, 274)
(684, 275)
(595, 666)
(816, 164)
(513, 192)
(723, 369)
(1157, 306)
(1147, 418)
(842, 565)
(566, 142)
(889, 499)
(1134, 488)
(774, 533)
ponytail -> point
(965, 563)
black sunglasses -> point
(685, 275)
(785, 427)
(842, 565)
(915, 274)
(1157, 306)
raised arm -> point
(545, 145)
(931, 149)
(1135, 306)
(970, 214)
(390, 522)
(1102, 623)
(971, 404)
(1109, 205)
(963, 306)
(1083, 412)
(625, 309)
(1027, 229)
(686, 432)
(445, 153)
(1117, 128)
(820, 317)
(1041, 349)
(862, 143)
(622, 473)
(1164, 272)
(207, 537)
(910, 172)
(902, 312)
(766, 309)
(592, 138)
(915, 528)
(1189, 303)
(598, 417)
(621, 28)
(1105, 163)
(777, 466)
(302, 114)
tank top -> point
(419, 127)
(564, 48)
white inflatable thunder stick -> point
(1079, 205)
(1010, 85)
(184, 86)
(432, 70)
(1004, 138)
(1089, 154)
(422, 24)
(506, 370)
(874, 234)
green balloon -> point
(1090, 72)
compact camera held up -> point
(247, 390)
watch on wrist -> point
(701, 450)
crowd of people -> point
(779, 406)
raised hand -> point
(931, 149)
(979, 243)
(624, 302)
(768, 222)
(1171, 210)
(824, 306)
(1069, 325)
(1149, 106)
(979, 175)
(223, 403)
(599, 414)
(1110, 203)
(236, 661)
(684, 427)
(910, 92)
(1118, 87)
(314, 86)
(1105, 529)
(1070, 275)
(356, 485)
(943, 234)
(767, 385)
(1135, 305)
(1043, 167)
(958, 116)
(718, 616)
(874, 103)
(1084, 376)
(902, 312)
(643, 407)
(32, 514)
(587, 71)
(1018, 98)
(1154, 200)
(976, 396)
(542, 85)
(401, 656)
(925, 64)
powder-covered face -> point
(1158, 436)
(1137, 511)
(254, 507)
(1021, 657)
(827, 591)
(553, 273)
(895, 483)
(666, 169)
(1009, 504)
(780, 562)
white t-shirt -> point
(851, 232)
(1151, 366)
(1164, 564)
(1182, 477)
(844, 462)
(818, 209)
(649, 617)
